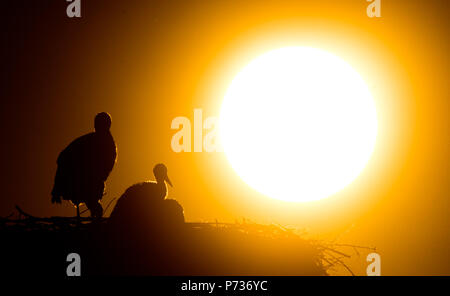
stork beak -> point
(168, 181)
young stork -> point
(142, 200)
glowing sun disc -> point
(298, 124)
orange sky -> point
(149, 63)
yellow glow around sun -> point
(298, 124)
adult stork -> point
(84, 167)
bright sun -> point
(298, 124)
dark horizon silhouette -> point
(164, 248)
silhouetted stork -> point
(144, 206)
(138, 196)
(84, 166)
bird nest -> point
(205, 248)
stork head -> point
(160, 172)
(102, 122)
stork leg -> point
(78, 213)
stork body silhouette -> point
(140, 200)
(84, 166)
